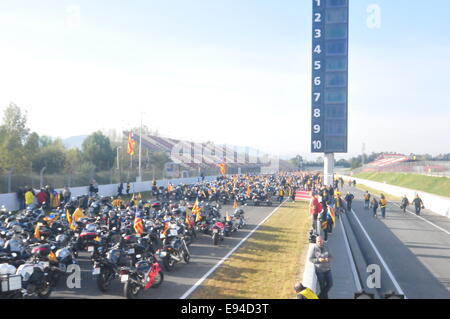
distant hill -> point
(74, 141)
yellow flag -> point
(37, 234)
(235, 204)
(77, 214)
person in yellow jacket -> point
(29, 197)
(383, 204)
(304, 293)
(281, 195)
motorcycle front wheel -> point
(132, 290)
(168, 263)
(215, 239)
(45, 293)
(158, 280)
(104, 280)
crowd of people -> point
(327, 204)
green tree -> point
(53, 157)
(15, 122)
(13, 135)
(45, 141)
(97, 149)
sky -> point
(234, 72)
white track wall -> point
(11, 203)
(438, 204)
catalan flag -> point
(187, 217)
(223, 168)
(37, 233)
(235, 204)
(166, 228)
(131, 143)
(333, 216)
(69, 218)
(137, 225)
(249, 190)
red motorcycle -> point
(217, 231)
(146, 274)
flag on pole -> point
(138, 226)
(69, 218)
(187, 216)
(333, 216)
(131, 143)
(235, 204)
(196, 211)
(37, 233)
(249, 190)
(223, 168)
(170, 188)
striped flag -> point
(303, 196)
(37, 233)
(223, 168)
(131, 143)
(138, 226)
(333, 216)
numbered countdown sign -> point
(330, 76)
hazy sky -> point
(230, 71)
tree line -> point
(25, 152)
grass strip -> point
(429, 184)
(268, 264)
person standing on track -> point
(374, 206)
(366, 200)
(383, 204)
(314, 210)
(349, 199)
(418, 204)
(404, 204)
(321, 258)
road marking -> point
(352, 261)
(425, 220)
(414, 214)
(394, 281)
(201, 280)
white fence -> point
(438, 204)
(11, 203)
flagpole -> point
(140, 150)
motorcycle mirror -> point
(14, 255)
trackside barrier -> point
(309, 274)
(438, 204)
(11, 203)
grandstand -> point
(388, 159)
(208, 158)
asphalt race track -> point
(177, 282)
(416, 252)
